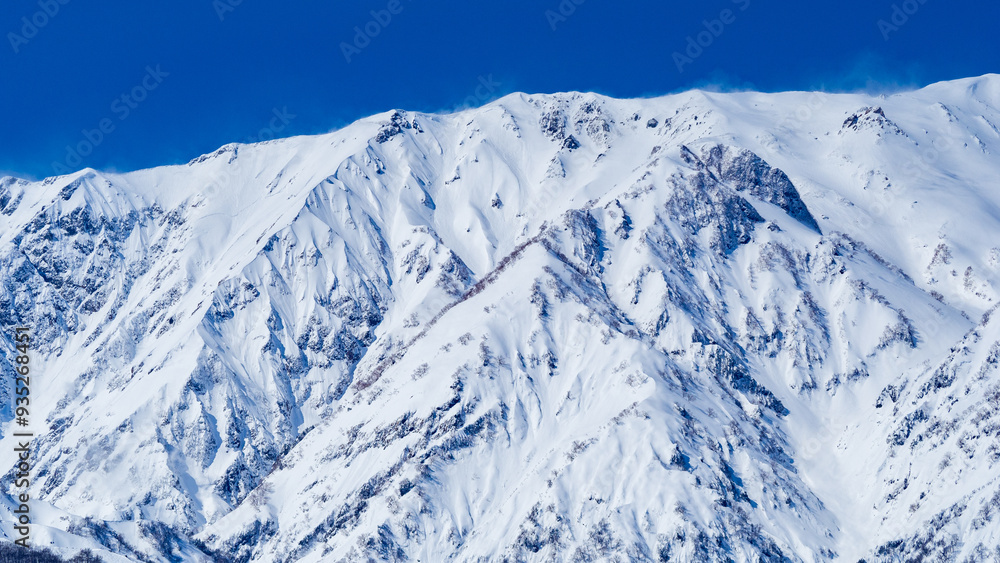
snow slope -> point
(712, 327)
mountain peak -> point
(556, 327)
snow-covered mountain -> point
(701, 327)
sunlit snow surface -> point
(702, 327)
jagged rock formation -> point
(564, 327)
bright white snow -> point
(557, 327)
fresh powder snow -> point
(699, 327)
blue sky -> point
(125, 85)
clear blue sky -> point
(224, 70)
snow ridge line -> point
(476, 289)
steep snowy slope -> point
(559, 327)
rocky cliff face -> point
(556, 328)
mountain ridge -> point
(557, 327)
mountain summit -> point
(701, 327)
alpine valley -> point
(699, 327)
